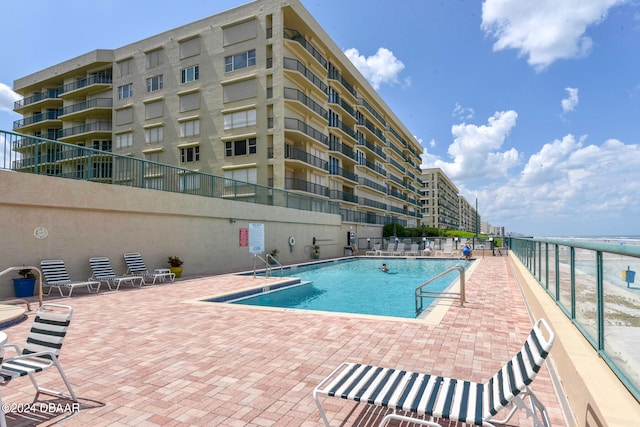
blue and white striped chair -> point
(40, 352)
(137, 267)
(56, 276)
(446, 398)
(103, 272)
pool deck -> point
(155, 357)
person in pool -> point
(384, 268)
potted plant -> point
(175, 265)
(316, 252)
(273, 259)
(25, 284)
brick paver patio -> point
(153, 357)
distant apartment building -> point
(442, 206)
(259, 93)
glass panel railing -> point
(32, 154)
(595, 285)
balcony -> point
(337, 146)
(306, 45)
(297, 95)
(300, 126)
(294, 153)
(372, 111)
(89, 85)
(50, 95)
(360, 138)
(372, 166)
(75, 111)
(337, 124)
(373, 203)
(295, 65)
(302, 185)
(342, 196)
(343, 173)
(81, 131)
(334, 74)
(38, 119)
(373, 185)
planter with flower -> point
(25, 284)
(176, 265)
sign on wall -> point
(256, 238)
(244, 237)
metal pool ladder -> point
(421, 293)
(268, 267)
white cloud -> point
(476, 149)
(566, 186)
(7, 98)
(462, 113)
(381, 68)
(571, 102)
(544, 30)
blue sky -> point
(532, 108)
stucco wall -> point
(85, 219)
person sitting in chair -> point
(467, 251)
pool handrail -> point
(421, 293)
(267, 265)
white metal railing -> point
(38, 279)
(421, 293)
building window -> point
(154, 83)
(239, 61)
(240, 119)
(190, 128)
(154, 135)
(190, 74)
(190, 154)
(125, 91)
(245, 175)
(240, 148)
(125, 67)
(154, 58)
(124, 140)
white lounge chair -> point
(103, 272)
(56, 276)
(40, 352)
(447, 249)
(399, 250)
(137, 267)
(375, 250)
(413, 250)
(447, 398)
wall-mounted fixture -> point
(232, 220)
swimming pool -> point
(359, 286)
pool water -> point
(359, 286)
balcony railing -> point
(595, 287)
(373, 111)
(343, 173)
(298, 95)
(36, 118)
(296, 36)
(341, 195)
(299, 125)
(48, 94)
(96, 126)
(96, 79)
(48, 157)
(342, 148)
(294, 64)
(85, 105)
(296, 153)
(309, 187)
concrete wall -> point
(595, 395)
(85, 219)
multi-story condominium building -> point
(259, 93)
(442, 206)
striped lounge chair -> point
(40, 352)
(56, 276)
(103, 272)
(137, 267)
(446, 398)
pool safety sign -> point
(256, 238)
(628, 276)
